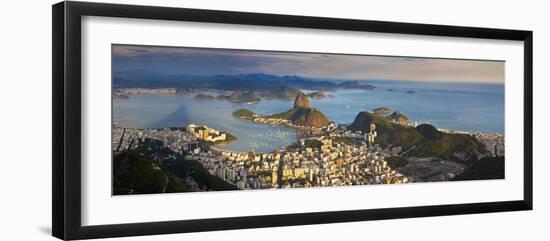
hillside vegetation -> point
(281, 92)
(303, 117)
(484, 169)
(302, 114)
(138, 172)
(244, 114)
(423, 141)
(135, 174)
(244, 97)
(381, 110)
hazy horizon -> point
(322, 66)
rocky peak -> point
(301, 101)
(399, 117)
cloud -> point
(318, 65)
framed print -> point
(170, 120)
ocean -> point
(455, 106)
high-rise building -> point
(274, 174)
(371, 135)
(251, 154)
(241, 185)
(205, 134)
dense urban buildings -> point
(221, 119)
(314, 162)
(337, 157)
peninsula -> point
(301, 115)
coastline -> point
(494, 135)
(299, 163)
(482, 116)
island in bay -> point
(191, 119)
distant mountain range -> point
(253, 97)
(247, 82)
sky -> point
(204, 61)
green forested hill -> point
(304, 117)
(139, 171)
(281, 92)
(244, 114)
(388, 132)
(484, 169)
(423, 141)
(136, 174)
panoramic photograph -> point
(188, 119)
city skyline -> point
(204, 61)
(196, 119)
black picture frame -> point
(66, 75)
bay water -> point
(455, 106)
